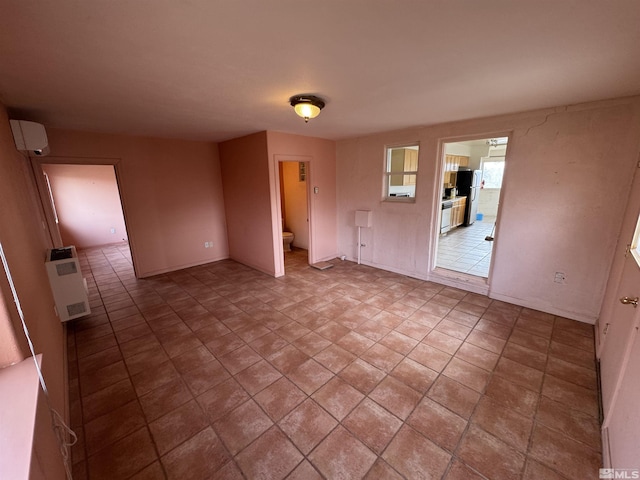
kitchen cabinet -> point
(457, 211)
(454, 162)
(403, 160)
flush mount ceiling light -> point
(307, 106)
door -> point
(620, 360)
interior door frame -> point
(277, 217)
(54, 231)
(471, 283)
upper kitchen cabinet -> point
(453, 163)
(403, 160)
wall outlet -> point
(208, 244)
(113, 231)
(559, 277)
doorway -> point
(294, 212)
(472, 172)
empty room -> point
(337, 240)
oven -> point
(445, 218)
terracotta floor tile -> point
(219, 401)
(334, 358)
(477, 356)
(455, 396)
(442, 342)
(536, 471)
(438, 424)
(382, 357)
(525, 356)
(503, 423)
(535, 326)
(279, 398)
(164, 399)
(269, 344)
(491, 328)
(307, 425)
(146, 360)
(572, 373)
(133, 332)
(459, 471)
(292, 331)
(224, 344)
(110, 427)
(414, 456)
(177, 426)
(578, 328)
(490, 456)
(332, 331)
(108, 399)
(414, 375)
(463, 318)
(513, 396)
(152, 472)
(242, 426)
(399, 342)
(214, 330)
(104, 358)
(503, 317)
(288, 358)
(123, 458)
(519, 374)
(362, 375)
(577, 341)
(310, 376)
(103, 377)
(453, 329)
(311, 343)
(338, 397)
(372, 330)
(430, 357)
(563, 454)
(381, 470)
(258, 376)
(526, 339)
(138, 345)
(182, 344)
(272, 456)
(305, 471)
(396, 397)
(154, 377)
(239, 359)
(467, 374)
(572, 423)
(573, 355)
(355, 343)
(486, 341)
(205, 377)
(372, 425)
(192, 359)
(341, 455)
(571, 395)
(200, 457)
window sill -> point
(399, 199)
(20, 386)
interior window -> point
(401, 172)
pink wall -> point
(566, 182)
(171, 193)
(321, 156)
(295, 200)
(25, 244)
(245, 179)
(88, 204)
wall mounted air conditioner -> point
(30, 137)
(67, 285)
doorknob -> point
(629, 301)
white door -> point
(620, 363)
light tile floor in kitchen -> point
(465, 250)
(220, 371)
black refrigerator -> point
(468, 185)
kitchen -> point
(471, 186)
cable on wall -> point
(60, 428)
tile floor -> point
(465, 250)
(220, 371)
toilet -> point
(287, 238)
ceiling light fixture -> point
(307, 106)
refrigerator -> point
(468, 185)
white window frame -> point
(391, 196)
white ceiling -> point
(219, 69)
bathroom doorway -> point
(294, 211)
(470, 191)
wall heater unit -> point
(68, 287)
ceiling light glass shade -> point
(307, 106)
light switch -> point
(316, 189)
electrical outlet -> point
(113, 231)
(559, 277)
(206, 244)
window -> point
(492, 172)
(401, 172)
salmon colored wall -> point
(321, 157)
(88, 204)
(295, 199)
(245, 179)
(171, 193)
(25, 243)
(567, 179)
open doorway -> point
(294, 210)
(83, 206)
(471, 187)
